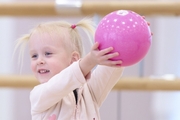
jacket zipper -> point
(76, 108)
(75, 112)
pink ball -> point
(127, 32)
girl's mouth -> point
(42, 71)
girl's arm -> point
(106, 74)
(102, 80)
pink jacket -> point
(55, 99)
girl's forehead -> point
(51, 33)
(46, 38)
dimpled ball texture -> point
(127, 32)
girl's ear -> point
(75, 56)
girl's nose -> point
(41, 61)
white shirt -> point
(55, 98)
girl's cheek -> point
(33, 66)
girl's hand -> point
(98, 57)
(102, 57)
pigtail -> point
(89, 28)
(21, 43)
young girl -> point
(72, 87)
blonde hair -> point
(73, 40)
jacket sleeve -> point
(102, 81)
(47, 94)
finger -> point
(148, 23)
(95, 46)
(111, 55)
(117, 63)
(112, 63)
(106, 51)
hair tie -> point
(73, 26)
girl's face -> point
(48, 57)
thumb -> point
(95, 46)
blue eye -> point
(34, 56)
(48, 53)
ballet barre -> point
(88, 8)
(125, 83)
